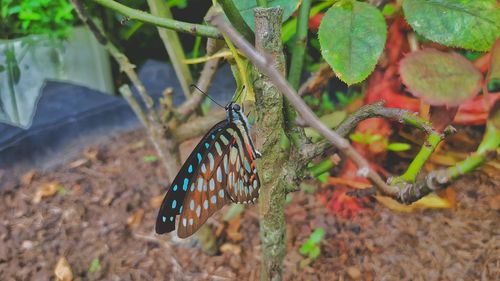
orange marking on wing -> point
(249, 150)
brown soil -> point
(97, 215)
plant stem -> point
(236, 19)
(300, 45)
(491, 141)
(270, 129)
(173, 45)
(411, 173)
(190, 28)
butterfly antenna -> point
(239, 94)
(194, 86)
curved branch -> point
(190, 28)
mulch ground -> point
(105, 206)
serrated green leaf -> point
(246, 9)
(352, 37)
(317, 235)
(440, 78)
(470, 24)
(398, 146)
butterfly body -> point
(221, 169)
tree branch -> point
(190, 28)
(265, 65)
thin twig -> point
(265, 65)
(190, 28)
(317, 81)
(206, 77)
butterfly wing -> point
(173, 202)
(243, 180)
(219, 179)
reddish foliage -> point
(314, 21)
(341, 204)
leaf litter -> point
(91, 222)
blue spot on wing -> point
(174, 204)
(190, 169)
(174, 188)
(207, 145)
(198, 155)
(185, 185)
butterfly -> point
(221, 169)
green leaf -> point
(246, 9)
(357, 137)
(352, 37)
(398, 146)
(470, 24)
(440, 78)
(389, 10)
(95, 265)
(317, 235)
(315, 252)
(306, 248)
(150, 158)
(62, 191)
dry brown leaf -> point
(233, 229)
(230, 248)
(494, 202)
(137, 145)
(155, 202)
(354, 272)
(430, 201)
(63, 270)
(28, 177)
(77, 163)
(93, 154)
(135, 219)
(46, 190)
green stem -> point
(173, 45)
(491, 141)
(418, 162)
(236, 19)
(190, 28)
(300, 45)
(322, 167)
